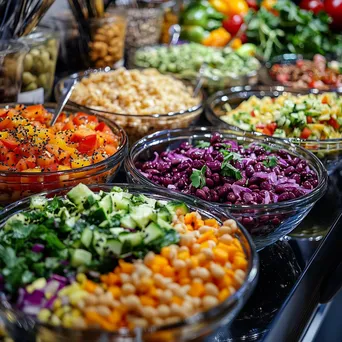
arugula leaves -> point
(227, 169)
(293, 29)
(198, 177)
(271, 161)
(202, 144)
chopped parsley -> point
(271, 161)
(198, 177)
(228, 170)
(202, 144)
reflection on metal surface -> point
(279, 271)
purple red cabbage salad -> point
(224, 171)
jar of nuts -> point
(40, 62)
(108, 40)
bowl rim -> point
(248, 285)
(122, 149)
(310, 197)
(214, 78)
(86, 73)
(214, 99)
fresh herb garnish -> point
(198, 177)
(266, 147)
(202, 144)
(228, 170)
(270, 162)
(227, 155)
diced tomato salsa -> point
(29, 144)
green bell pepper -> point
(195, 16)
(193, 33)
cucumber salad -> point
(108, 259)
(304, 116)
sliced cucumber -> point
(13, 219)
(128, 222)
(143, 215)
(99, 242)
(98, 215)
(152, 232)
(86, 237)
(175, 206)
(79, 194)
(134, 239)
(107, 204)
(114, 246)
(163, 224)
(80, 257)
(116, 230)
(38, 202)
(164, 214)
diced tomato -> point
(21, 165)
(68, 126)
(260, 126)
(6, 123)
(253, 113)
(110, 149)
(83, 118)
(45, 161)
(266, 131)
(3, 113)
(10, 143)
(333, 122)
(53, 149)
(87, 144)
(306, 132)
(272, 127)
(31, 162)
(309, 119)
(3, 152)
(325, 99)
(11, 159)
(102, 127)
(80, 134)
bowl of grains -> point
(141, 101)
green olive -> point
(43, 80)
(51, 67)
(39, 67)
(31, 86)
(28, 62)
(51, 43)
(28, 78)
(53, 52)
(45, 57)
(35, 52)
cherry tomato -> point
(332, 122)
(306, 132)
(272, 127)
(309, 119)
(233, 24)
(253, 113)
(334, 9)
(266, 131)
(244, 38)
(312, 5)
(252, 4)
(102, 127)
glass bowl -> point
(266, 78)
(136, 126)
(329, 151)
(267, 223)
(192, 327)
(16, 185)
(211, 83)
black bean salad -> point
(224, 171)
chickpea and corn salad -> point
(288, 116)
(118, 260)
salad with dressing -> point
(304, 116)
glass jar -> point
(170, 17)
(12, 55)
(108, 40)
(39, 65)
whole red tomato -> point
(334, 9)
(312, 5)
(233, 24)
(253, 4)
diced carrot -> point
(209, 235)
(197, 290)
(177, 300)
(115, 291)
(211, 222)
(183, 255)
(89, 286)
(147, 301)
(126, 267)
(223, 294)
(220, 255)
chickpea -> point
(211, 289)
(216, 270)
(163, 310)
(209, 301)
(226, 239)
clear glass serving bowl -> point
(213, 83)
(267, 223)
(20, 326)
(136, 126)
(16, 185)
(329, 151)
(265, 75)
